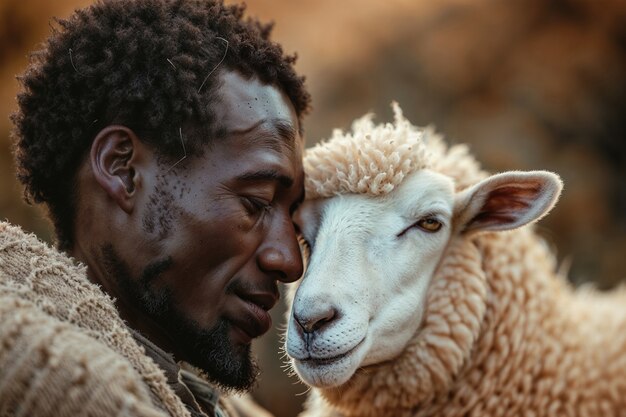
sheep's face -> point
(363, 295)
(372, 259)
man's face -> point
(216, 234)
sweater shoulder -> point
(35, 271)
(44, 292)
(22, 254)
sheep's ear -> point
(506, 201)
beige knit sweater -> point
(64, 350)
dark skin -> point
(200, 246)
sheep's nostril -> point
(314, 322)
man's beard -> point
(226, 365)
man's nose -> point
(280, 254)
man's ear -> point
(113, 157)
(506, 201)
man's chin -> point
(238, 336)
(226, 361)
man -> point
(164, 139)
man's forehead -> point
(247, 104)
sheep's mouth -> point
(317, 362)
(325, 361)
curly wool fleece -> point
(374, 159)
(503, 333)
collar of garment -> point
(199, 396)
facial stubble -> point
(227, 365)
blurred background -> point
(528, 84)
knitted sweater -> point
(64, 350)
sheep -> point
(425, 296)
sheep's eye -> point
(429, 224)
(426, 224)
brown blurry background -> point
(529, 84)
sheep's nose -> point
(313, 322)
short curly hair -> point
(144, 64)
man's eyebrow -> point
(286, 131)
(278, 133)
(266, 175)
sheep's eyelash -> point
(415, 219)
(417, 216)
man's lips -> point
(253, 318)
(265, 300)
